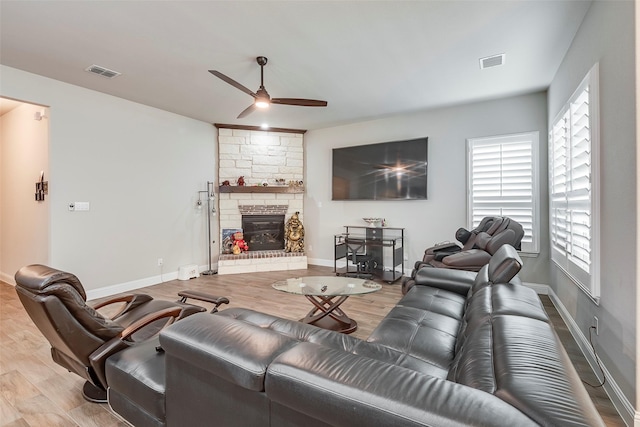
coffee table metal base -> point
(327, 314)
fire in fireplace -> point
(263, 232)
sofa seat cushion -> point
(423, 340)
(435, 300)
(301, 332)
(344, 389)
(517, 300)
(410, 360)
(136, 378)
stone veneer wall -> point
(259, 156)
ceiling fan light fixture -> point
(261, 98)
(262, 102)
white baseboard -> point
(320, 262)
(129, 286)
(624, 407)
(137, 284)
(540, 288)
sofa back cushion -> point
(419, 339)
(473, 363)
(498, 299)
(521, 361)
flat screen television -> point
(386, 171)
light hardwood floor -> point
(34, 391)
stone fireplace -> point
(264, 159)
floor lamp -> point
(211, 210)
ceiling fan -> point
(261, 97)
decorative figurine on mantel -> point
(294, 234)
(241, 181)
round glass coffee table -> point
(327, 293)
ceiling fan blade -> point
(247, 111)
(299, 102)
(232, 82)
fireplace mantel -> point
(260, 189)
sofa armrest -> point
(458, 281)
(440, 251)
(471, 259)
(322, 383)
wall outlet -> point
(160, 262)
(595, 325)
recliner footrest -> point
(137, 385)
(201, 296)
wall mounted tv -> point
(386, 171)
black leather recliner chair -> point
(478, 245)
(82, 339)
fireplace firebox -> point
(263, 232)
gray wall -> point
(607, 36)
(436, 219)
(139, 167)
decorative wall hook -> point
(42, 188)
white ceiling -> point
(367, 59)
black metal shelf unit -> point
(370, 251)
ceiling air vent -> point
(492, 61)
(101, 71)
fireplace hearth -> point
(263, 232)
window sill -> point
(529, 254)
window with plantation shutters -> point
(573, 187)
(503, 182)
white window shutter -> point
(502, 182)
(571, 188)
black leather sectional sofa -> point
(458, 349)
